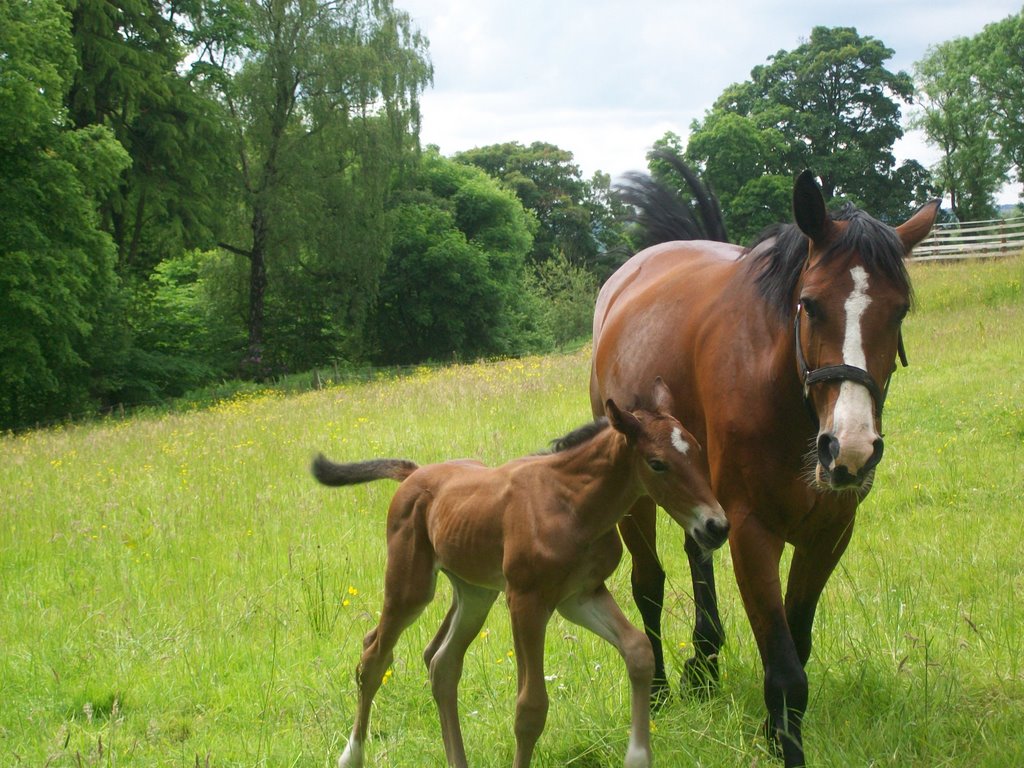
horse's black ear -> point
(809, 207)
(623, 421)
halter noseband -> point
(842, 372)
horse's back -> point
(656, 265)
(649, 313)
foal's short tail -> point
(330, 473)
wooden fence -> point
(975, 239)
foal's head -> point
(668, 465)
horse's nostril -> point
(828, 450)
(876, 456)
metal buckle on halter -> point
(843, 372)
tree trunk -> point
(253, 363)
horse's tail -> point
(664, 212)
(331, 473)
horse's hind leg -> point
(599, 613)
(470, 606)
(639, 533)
(700, 673)
(408, 588)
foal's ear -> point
(663, 400)
(809, 208)
(623, 421)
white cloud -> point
(605, 78)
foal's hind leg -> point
(470, 606)
(598, 612)
(639, 532)
(408, 588)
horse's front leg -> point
(598, 612)
(700, 673)
(810, 570)
(756, 554)
(639, 533)
(530, 616)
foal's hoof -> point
(700, 676)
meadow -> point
(176, 590)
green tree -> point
(956, 118)
(56, 262)
(130, 78)
(999, 49)
(325, 112)
(829, 105)
(741, 163)
(549, 184)
(454, 285)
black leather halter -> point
(843, 372)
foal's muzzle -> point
(711, 532)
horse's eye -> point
(657, 465)
(811, 308)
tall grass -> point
(176, 590)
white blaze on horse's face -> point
(678, 442)
(853, 419)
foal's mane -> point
(578, 436)
(776, 257)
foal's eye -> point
(657, 465)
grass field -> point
(175, 590)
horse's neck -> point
(599, 479)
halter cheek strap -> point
(842, 372)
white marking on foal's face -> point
(854, 409)
(678, 442)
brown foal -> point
(543, 530)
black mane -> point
(777, 255)
(578, 436)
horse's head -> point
(669, 466)
(851, 299)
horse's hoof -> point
(791, 752)
(660, 694)
(771, 737)
(700, 676)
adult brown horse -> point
(778, 357)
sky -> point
(604, 79)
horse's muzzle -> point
(836, 468)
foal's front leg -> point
(639, 533)
(598, 612)
(530, 616)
